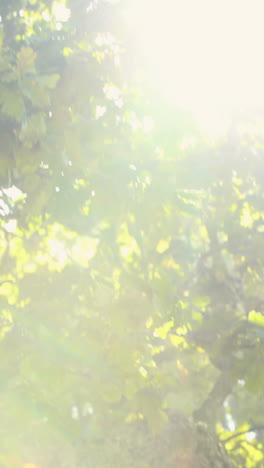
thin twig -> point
(252, 429)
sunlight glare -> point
(204, 56)
(61, 12)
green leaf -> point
(37, 94)
(182, 401)
(33, 129)
(48, 81)
(12, 104)
(26, 59)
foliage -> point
(132, 329)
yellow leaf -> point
(164, 329)
(163, 245)
(256, 318)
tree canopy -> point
(132, 258)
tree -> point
(131, 263)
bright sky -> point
(206, 55)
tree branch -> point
(238, 434)
(221, 389)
